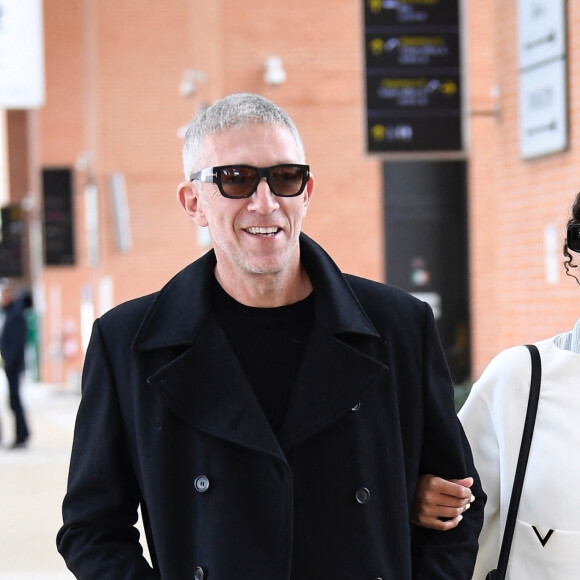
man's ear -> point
(188, 196)
(308, 191)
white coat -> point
(546, 544)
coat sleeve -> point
(448, 555)
(98, 538)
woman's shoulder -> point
(507, 374)
(511, 360)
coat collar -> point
(333, 374)
(179, 309)
(182, 306)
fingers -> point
(458, 488)
(438, 498)
(466, 482)
(436, 523)
(439, 518)
(433, 490)
(444, 525)
(427, 511)
(455, 493)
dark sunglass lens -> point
(237, 181)
(286, 179)
(574, 237)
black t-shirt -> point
(269, 344)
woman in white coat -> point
(546, 542)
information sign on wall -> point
(543, 83)
(413, 77)
(11, 239)
(57, 197)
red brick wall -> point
(512, 200)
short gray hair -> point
(234, 110)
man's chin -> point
(265, 269)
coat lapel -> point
(332, 379)
(343, 358)
(208, 389)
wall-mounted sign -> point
(11, 240)
(543, 110)
(58, 218)
(541, 31)
(543, 106)
(413, 78)
(21, 54)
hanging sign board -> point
(413, 78)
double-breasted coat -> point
(168, 422)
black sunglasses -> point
(240, 181)
(573, 237)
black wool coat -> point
(168, 422)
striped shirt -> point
(570, 340)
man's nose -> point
(263, 200)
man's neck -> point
(267, 290)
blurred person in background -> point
(546, 541)
(12, 350)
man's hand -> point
(437, 498)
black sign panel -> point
(12, 233)
(58, 217)
(413, 82)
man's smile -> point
(262, 231)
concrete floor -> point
(33, 482)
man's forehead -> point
(243, 143)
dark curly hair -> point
(575, 219)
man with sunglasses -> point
(268, 414)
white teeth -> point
(271, 230)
